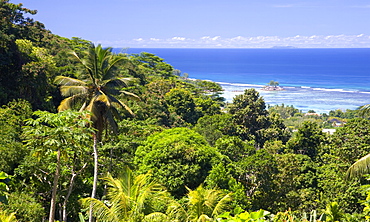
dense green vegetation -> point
(86, 133)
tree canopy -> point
(137, 140)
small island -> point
(273, 86)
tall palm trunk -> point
(54, 191)
(98, 80)
(93, 193)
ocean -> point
(313, 79)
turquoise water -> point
(317, 79)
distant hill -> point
(283, 47)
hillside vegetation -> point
(87, 134)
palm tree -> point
(95, 87)
(94, 90)
(127, 198)
(333, 212)
(205, 204)
(359, 168)
(364, 110)
(7, 217)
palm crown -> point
(95, 87)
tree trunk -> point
(54, 191)
(67, 197)
(93, 193)
(71, 184)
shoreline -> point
(272, 88)
(321, 100)
(288, 87)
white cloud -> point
(209, 38)
(314, 41)
(238, 38)
(178, 38)
(215, 38)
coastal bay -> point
(314, 79)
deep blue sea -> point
(314, 79)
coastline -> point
(321, 100)
(272, 88)
(314, 79)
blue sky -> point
(207, 23)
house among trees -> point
(312, 114)
(336, 122)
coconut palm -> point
(94, 90)
(128, 198)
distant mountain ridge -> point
(284, 47)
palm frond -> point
(93, 109)
(83, 107)
(100, 210)
(96, 82)
(121, 104)
(7, 217)
(204, 218)
(104, 98)
(69, 90)
(68, 81)
(118, 194)
(115, 113)
(89, 63)
(102, 60)
(119, 82)
(206, 203)
(130, 95)
(126, 197)
(222, 205)
(111, 122)
(147, 189)
(113, 61)
(69, 102)
(176, 211)
(156, 216)
(113, 91)
(359, 168)
(98, 107)
(364, 110)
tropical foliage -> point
(128, 198)
(179, 153)
(57, 135)
(94, 88)
(205, 204)
(273, 83)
